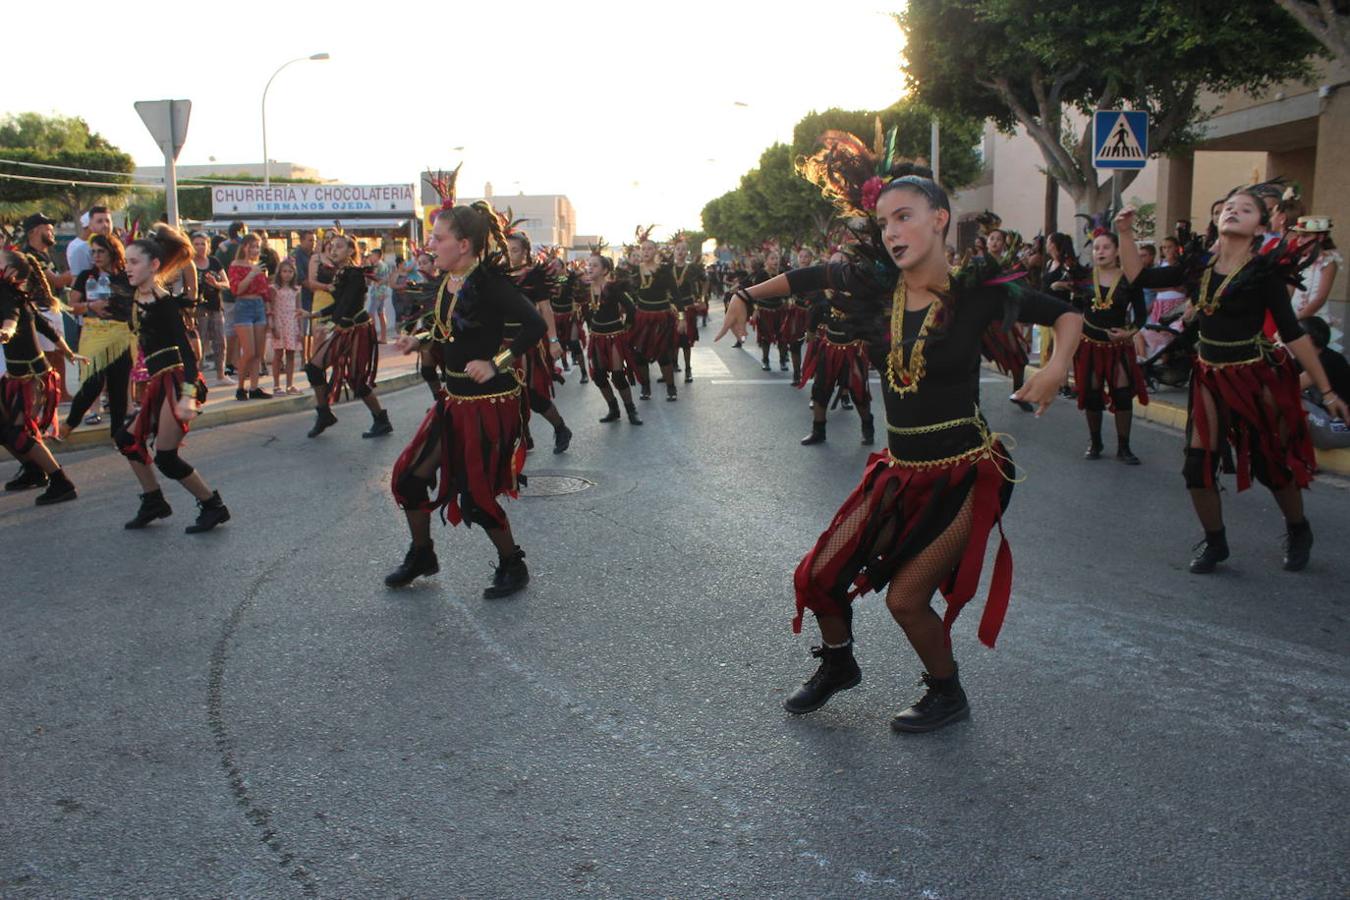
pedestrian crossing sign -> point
(1119, 139)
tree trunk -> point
(1051, 205)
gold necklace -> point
(443, 324)
(1206, 304)
(905, 379)
(679, 275)
(1099, 302)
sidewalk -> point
(1168, 407)
(397, 370)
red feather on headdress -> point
(444, 184)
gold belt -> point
(985, 448)
(22, 369)
(1260, 342)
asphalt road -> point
(250, 713)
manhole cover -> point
(553, 485)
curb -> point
(1335, 462)
(87, 436)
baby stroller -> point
(1171, 364)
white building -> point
(548, 219)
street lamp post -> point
(267, 165)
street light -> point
(267, 165)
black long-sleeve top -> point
(759, 276)
(162, 335)
(349, 298)
(538, 287)
(1232, 332)
(471, 327)
(687, 283)
(570, 291)
(614, 310)
(1127, 303)
(839, 327)
(949, 387)
(1067, 271)
(654, 292)
(23, 356)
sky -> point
(639, 113)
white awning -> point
(300, 224)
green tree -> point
(1023, 64)
(57, 141)
(1329, 22)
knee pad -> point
(539, 404)
(1122, 398)
(11, 436)
(430, 375)
(126, 445)
(412, 489)
(1200, 468)
(1092, 401)
(1261, 470)
(601, 378)
(172, 465)
(314, 374)
(474, 514)
(821, 393)
(364, 391)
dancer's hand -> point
(480, 370)
(555, 350)
(735, 320)
(1041, 388)
(1120, 334)
(405, 343)
(1336, 406)
(1125, 221)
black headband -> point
(926, 186)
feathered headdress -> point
(509, 221)
(988, 221)
(443, 183)
(599, 247)
(641, 234)
(849, 173)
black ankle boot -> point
(1124, 455)
(632, 414)
(845, 402)
(1298, 541)
(379, 425)
(581, 366)
(645, 393)
(323, 420)
(838, 672)
(869, 431)
(688, 374)
(944, 702)
(210, 513)
(1213, 550)
(765, 365)
(417, 562)
(153, 506)
(511, 576)
(1094, 450)
(562, 439)
(817, 435)
(30, 476)
(671, 395)
(613, 415)
(59, 489)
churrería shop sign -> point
(309, 199)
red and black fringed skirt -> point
(796, 322)
(768, 325)
(1095, 364)
(1262, 428)
(354, 356)
(689, 324)
(167, 386)
(534, 368)
(479, 453)
(570, 328)
(29, 393)
(842, 368)
(1009, 350)
(653, 334)
(604, 347)
(894, 513)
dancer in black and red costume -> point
(175, 392)
(569, 319)
(653, 332)
(797, 318)
(1009, 349)
(539, 281)
(690, 293)
(471, 444)
(29, 389)
(610, 311)
(350, 347)
(1245, 412)
(919, 520)
(836, 365)
(769, 312)
(1106, 369)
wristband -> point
(502, 360)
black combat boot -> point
(323, 420)
(419, 561)
(613, 415)
(60, 489)
(30, 476)
(817, 435)
(944, 703)
(1213, 550)
(1298, 541)
(210, 513)
(632, 414)
(838, 672)
(153, 506)
(562, 439)
(379, 425)
(1124, 455)
(511, 576)
(869, 431)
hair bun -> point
(902, 169)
